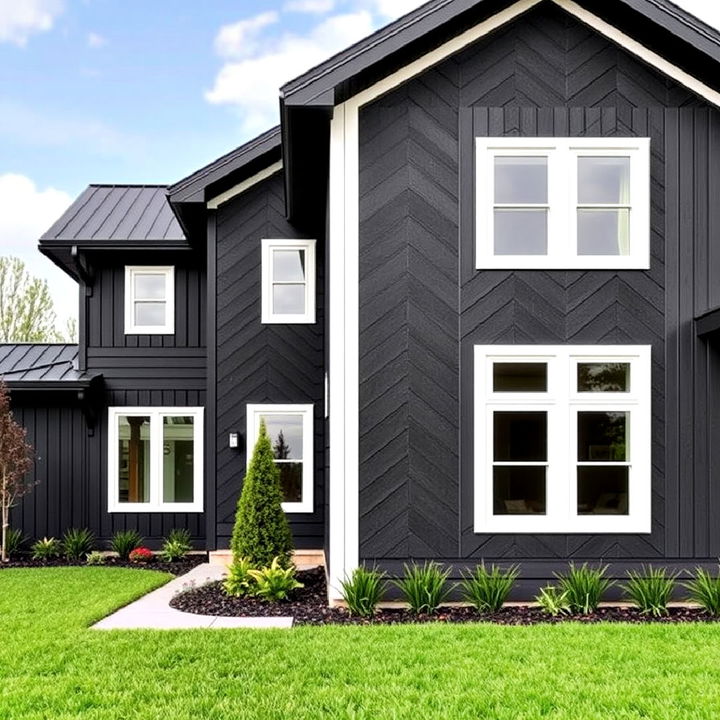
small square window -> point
(288, 281)
(149, 300)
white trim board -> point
(216, 202)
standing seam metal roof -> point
(40, 363)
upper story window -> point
(288, 281)
(149, 300)
(563, 203)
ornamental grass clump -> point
(239, 581)
(424, 587)
(14, 541)
(585, 587)
(123, 542)
(176, 545)
(704, 589)
(46, 549)
(261, 532)
(77, 543)
(363, 590)
(487, 590)
(275, 583)
(650, 590)
(553, 601)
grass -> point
(52, 666)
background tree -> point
(261, 530)
(27, 312)
(16, 459)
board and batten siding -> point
(261, 364)
(423, 306)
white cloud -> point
(251, 83)
(239, 39)
(310, 6)
(704, 9)
(96, 41)
(27, 213)
(19, 19)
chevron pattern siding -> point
(262, 363)
(423, 306)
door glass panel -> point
(150, 286)
(519, 491)
(604, 180)
(520, 436)
(133, 459)
(604, 377)
(149, 314)
(603, 490)
(289, 265)
(289, 299)
(286, 436)
(603, 436)
(521, 180)
(603, 232)
(291, 481)
(520, 377)
(521, 232)
(178, 459)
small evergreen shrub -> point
(275, 583)
(77, 543)
(363, 590)
(704, 590)
(585, 587)
(553, 601)
(424, 587)
(46, 549)
(141, 555)
(651, 590)
(487, 590)
(239, 582)
(95, 558)
(261, 532)
(123, 542)
(176, 545)
(14, 541)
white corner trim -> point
(216, 202)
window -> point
(563, 203)
(562, 439)
(155, 459)
(288, 281)
(291, 433)
(149, 300)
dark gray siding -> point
(424, 307)
(259, 363)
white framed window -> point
(562, 439)
(563, 203)
(290, 428)
(149, 300)
(155, 459)
(288, 281)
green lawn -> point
(52, 667)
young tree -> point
(261, 530)
(15, 462)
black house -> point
(471, 279)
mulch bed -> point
(179, 567)
(308, 606)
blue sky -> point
(148, 91)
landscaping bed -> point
(308, 606)
(178, 567)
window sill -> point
(166, 508)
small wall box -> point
(234, 440)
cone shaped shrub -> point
(261, 531)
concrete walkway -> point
(153, 611)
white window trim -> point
(156, 415)
(270, 318)
(562, 156)
(168, 328)
(307, 413)
(562, 402)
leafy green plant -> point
(95, 558)
(239, 581)
(363, 590)
(424, 587)
(176, 545)
(46, 549)
(261, 532)
(487, 590)
(77, 543)
(553, 601)
(275, 583)
(651, 590)
(123, 542)
(704, 590)
(14, 541)
(585, 587)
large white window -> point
(155, 459)
(290, 428)
(563, 203)
(149, 300)
(562, 439)
(288, 281)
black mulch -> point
(308, 606)
(179, 567)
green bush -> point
(239, 581)
(585, 587)
(95, 558)
(651, 590)
(14, 541)
(77, 543)
(46, 549)
(705, 591)
(553, 601)
(275, 583)
(487, 590)
(363, 590)
(261, 531)
(424, 587)
(123, 542)
(176, 545)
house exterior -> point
(471, 284)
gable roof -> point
(42, 365)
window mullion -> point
(156, 459)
